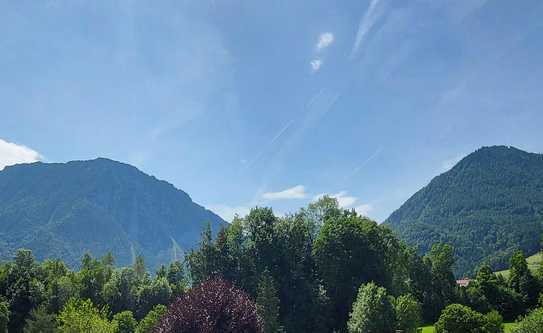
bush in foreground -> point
(372, 311)
(532, 323)
(213, 306)
(457, 318)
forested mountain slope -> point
(488, 205)
(62, 210)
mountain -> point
(62, 210)
(488, 205)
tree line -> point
(322, 269)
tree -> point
(152, 319)
(408, 313)
(81, 316)
(372, 311)
(494, 322)
(457, 318)
(139, 268)
(91, 279)
(213, 306)
(317, 212)
(532, 323)
(521, 279)
(4, 315)
(59, 292)
(443, 284)
(149, 295)
(41, 322)
(25, 290)
(202, 261)
(267, 303)
(125, 322)
(120, 291)
(348, 252)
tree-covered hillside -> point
(488, 205)
(62, 210)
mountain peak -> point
(486, 206)
(100, 205)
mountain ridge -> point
(62, 210)
(487, 205)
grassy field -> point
(428, 329)
(507, 328)
(533, 264)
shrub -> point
(494, 322)
(457, 318)
(532, 323)
(213, 306)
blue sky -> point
(244, 103)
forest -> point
(321, 269)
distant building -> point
(463, 282)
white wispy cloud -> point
(325, 39)
(296, 192)
(315, 65)
(12, 153)
(345, 201)
(363, 209)
(229, 212)
(366, 24)
(343, 198)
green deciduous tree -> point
(408, 313)
(372, 311)
(81, 316)
(124, 322)
(25, 289)
(151, 319)
(348, 252)
(41, 322)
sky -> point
(272, 103)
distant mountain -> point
(62, 210)
(488, 205)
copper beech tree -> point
(213, 306)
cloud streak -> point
(272, 142)
(296, 192)
(12, 153)
(366, 24)
(356, 170)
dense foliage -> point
(321, 269)
(532, 323)
(62, 210)
(489, 205)
(457, 318)
(372, 311)
(213, 306)
(49, 297)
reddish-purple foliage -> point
(212, 307)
